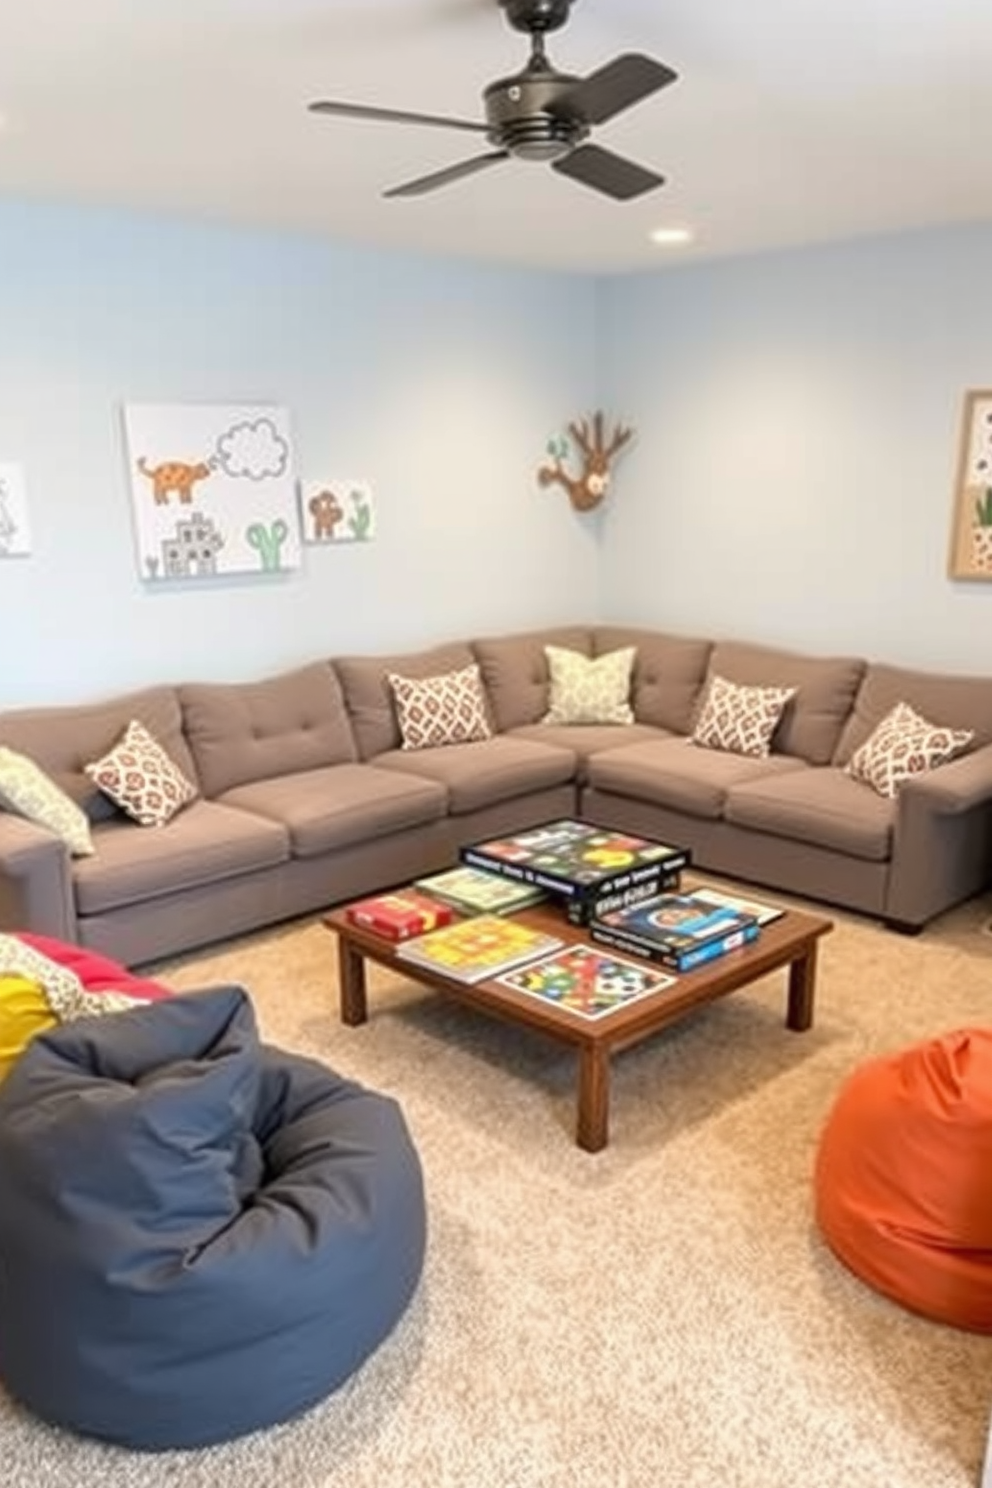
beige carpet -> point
(661, 1315)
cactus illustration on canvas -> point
(360, 521)
(267, 542)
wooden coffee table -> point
(790, 942)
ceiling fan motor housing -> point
(527, 115)
(536, 15)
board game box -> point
(678, 930)
(587, 981)
(763, 913)
(474, 891)
(471, 950)
(399, 916)
(578, 861)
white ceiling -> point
(793, 121)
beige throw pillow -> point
(740, 719)
(904, 744)
(27, 790)
(589, 690)
(446, 709)
(141, 778)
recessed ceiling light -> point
(669, 236)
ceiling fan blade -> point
(617, 86)
(606, 172)
(445, 177)
(392, 116)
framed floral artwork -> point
(971, 531)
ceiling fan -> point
(541, 114)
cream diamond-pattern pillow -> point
(140, 777)
(904, 744)
(740, 719)
(446, 709)
(589, 690)
(27, 790)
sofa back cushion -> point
(368, 696)
(64, 739)
(946, 700)
(825, 687)
(244, 731)
(669, 671)
(515, 671)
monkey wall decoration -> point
(587, 489)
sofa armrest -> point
(942, 842)
(958, 786)
(35, 880)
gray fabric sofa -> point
(307, 797)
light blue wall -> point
(798, 418)
(438, 381)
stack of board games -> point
(400, 916)
(473, 891)
(472, 950)
(677, 930)
(593, 869)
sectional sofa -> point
(306, 797)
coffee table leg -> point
(594, 1097)
(802, 982)
(351, 983)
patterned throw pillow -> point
(589, 690)
(904, 744)
(447, 709)
(26, 789)
(740, 719)
(140, 777)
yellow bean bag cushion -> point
(24, 1012)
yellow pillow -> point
(24, 1012)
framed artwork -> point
(15, 535)
(337, 511)
(971, 531)
(213, 490)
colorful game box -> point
(578, 861)
(588, 981)
(474, 949)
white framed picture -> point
(337, 511)
(213, 490)
(15, 533)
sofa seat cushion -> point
(203, 844)
(821, 806)
(478, 775)
(587, 739)
(680, 775)
(326, 810)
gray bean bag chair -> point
(199, 1235)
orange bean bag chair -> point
(903, 1177)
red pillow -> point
(97, 973)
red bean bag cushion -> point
(903, 1177)
(97, 973)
